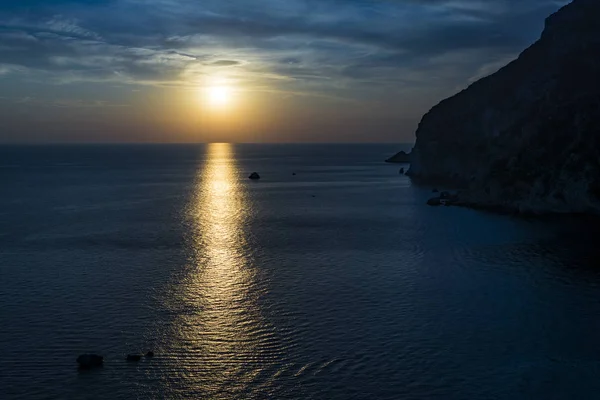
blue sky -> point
(301, 70)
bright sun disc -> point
(219, 96)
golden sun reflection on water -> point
(221, 336)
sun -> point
(219, 96)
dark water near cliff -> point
(335, 283)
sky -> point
(246, 70)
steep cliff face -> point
(526, 138)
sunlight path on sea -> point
(221, 343)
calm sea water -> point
(334, 283)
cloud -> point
(62, 102)
(224, 63)
(324, 45)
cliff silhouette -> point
(526, 138)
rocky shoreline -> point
(467, 200)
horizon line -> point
(187, 143)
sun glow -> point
(219, 96)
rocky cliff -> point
(526, 138)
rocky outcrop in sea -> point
(526, 138)
(399, 158)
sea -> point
(328, 278)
